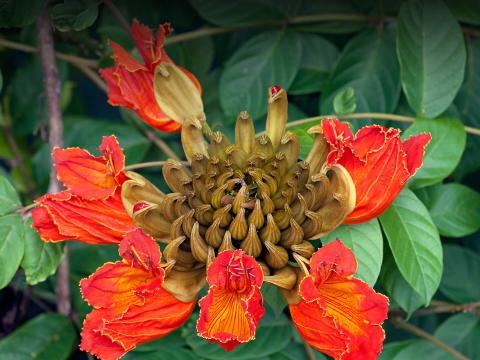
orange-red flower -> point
(379, 163)
(130, 83)
(339, 315)
(90, 210)
(130, 305)
(231, 310)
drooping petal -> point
(150, 48)
(338, 136)
(331, 295)
(131, 306)
(64, 216)
(231, 310)
(88, 176)
(415, 146)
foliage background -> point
(417, 59)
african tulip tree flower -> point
(130, 83)
(379, 163)
(90, 210)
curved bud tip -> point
(140, 206)
(274, 90)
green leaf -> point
(257, 65)
(467, 103)
(454, 208)
(391, 350)
(462, 271)
(11, 247)
(444, 151)
(415, 243)
(306, 139)
(397, 288)
(48, 336)
(467, 11)
(231, 13)
(314, 69)
(432, 56)
(74, 14)
(41, 259)
(367, 64)
(273, 298)
(18, 13)
(344, 102)
(271, 336)
(366, 242)
(454, 332)
(9, 200)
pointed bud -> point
(176, 176)
(171, 250)
(151, 220)
(240, 198)
(214, 234)
(176, 229)
(293, 235)
(223, 178)
(263, 147)
(238, 227)
(302, 263)
(218, 145)
(185, 285)
(197, 245)
(265, 268)
(285, 278)
(167, 206)
(252, 244)
(188, 221)
(176, 93)
(256, 217)
(224, 215)
(298, 209)
(192, 139)
(270, 231)
(204, 214)
(312, 225)
(137, 189)
(237, 156)
(245, 133)
(305, 249)
(277, 115)
(290, 146)
(210, 256)
(319, 150)
(282, 217)
(322, 192)
(267, 204)
(226, 242)
(217, 195)
(277, 256)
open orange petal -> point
(65, 216)
(231, 310)
(151, 48)
(378, 162)
(88, 176)
(331, 296)
(131, 307)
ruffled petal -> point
(231, 310)
(415, 146)
(338, 135)
(131, 307)
(355, 309)
(150, 48)
(124, 59)
(64, 216)
(88, 176)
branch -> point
(402, 324)
(309, 351)
(51, 81)
(117, 15)
(150, 164)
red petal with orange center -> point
(339, 309)
(131, 307)
(231, 310)
(88, 176)
(378, 162)
(64, 216)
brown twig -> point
(162, 145)
(52, 87)
(399, 322)
(309, 351)
(117, 15)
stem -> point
(162, 145)
(117, 15)
(92, 75)
(309, 351)
(402, 324)
(150, 164)
(52, 87)
(368, 115)
(62, 56)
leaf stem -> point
(309, 351)
(52, 87)
(399, 322)
(368, 115)
(117, 15)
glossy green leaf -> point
(391, 350)
(366, 242)
(444, 151)
(257, 65)
(11, 247)
(273, 298)
(231, 13)
(46, 337)
(367, 64)
(16, 13)
(272, 335)
(467, 104)
(306, 139)
(41, 259)
(432, 56)
(454, 208)
(344, 102)
(314, 69)
(415, 243)
(454, 332)
(9, 200)
(74, 15)
(461, 273)
(397, 289)
(467, 11)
